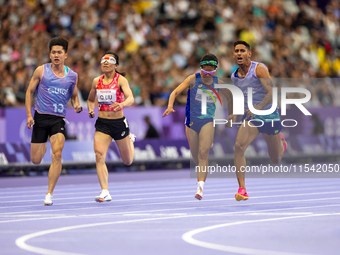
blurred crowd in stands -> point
(161, 42)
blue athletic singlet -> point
(193, 111)
(265, 124)
(53, 92)
(251, 80)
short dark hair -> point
(114, 54)
(58, 41)
(242, 42)
(209, 57)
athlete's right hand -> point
(30, 122)
(91, 114)
(168, 111)
(231, 119)
(78, 109)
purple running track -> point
(155, 212)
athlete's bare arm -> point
(228, 95)
(263, 74)
(92, 97)
(29, 93)
(184, 85)
(75, 99)
(129, 99)
(267, 83)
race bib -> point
(106, 96)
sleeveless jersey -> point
(251, 80)
(53, 92)
(108, 93)
(194, 99)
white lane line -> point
(94, 186)
(119, 188)
(174, 209)
(205, 207)
(153, 214)
(152, 193)
(123, 182)
(229, 213)
(200, 207)
(273, 213)
(176, 202)
(77, 187)
(30, 215)
(189, 208)
(259, 181)
(117, 193)
(138, 185)
(21, 241)
(120, 185)
(89, 208)
(189, 187)
(188, 236)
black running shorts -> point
(46, 125)
(116, 128)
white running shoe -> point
(199, 193)
(103, 197)
(48, 199)
(132, 137)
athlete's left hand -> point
(78, 109)
(116, 106)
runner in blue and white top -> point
(54, 84)
(200, 111)
(254, 75)
(53, 93)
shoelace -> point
(104, 195)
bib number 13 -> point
(58, 108)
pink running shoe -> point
(282, 136)
(241, 195)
